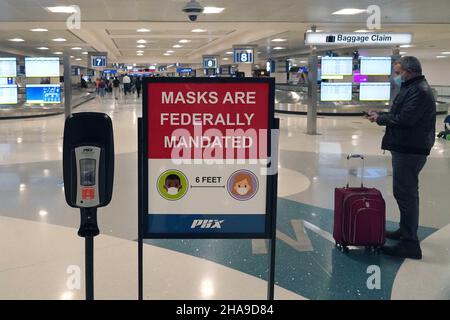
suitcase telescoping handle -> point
(356, 156)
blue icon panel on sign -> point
(43, 94)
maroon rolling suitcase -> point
(359, 216)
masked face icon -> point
(242, 185)
(173, 184)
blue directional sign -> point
(243, 56)
(184, 70)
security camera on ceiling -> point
(193, 9)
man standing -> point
(410, 135)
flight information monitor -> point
(42, 67)
(337, 66)
(376, 66)
(8, 67)
(43, 93)
(375, 91)
(336, 91)
(8, 94)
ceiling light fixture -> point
(85, 52)
(279, 48)
(361, 30)
(62, 9)
(229, 52)
(143, 30)
(212, 10)
(140, 46)
(59, 52)
(445, 52)
(16, 40)
(278, 40)
(76, 48)
(441, 57)
(59, 40)
(198, 30)
(166, 54)
(349, 11)
(139, 51)
(184, 41)
(140, 54)
(42, 48)
(177, 46)
(78, 59)
(170, 51)
(406, 46)
(142, 41)
(39, 30)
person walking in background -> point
(97, 86)
(126, 84)
(410, 135)
(102, 87)
(116, 88)
(138, 85)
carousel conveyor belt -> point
(294, 102)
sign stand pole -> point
(140, 214)
(273, 238)
(88, 230)
(89, 266)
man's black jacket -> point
(411, 122)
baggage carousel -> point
(26, 110)
(294, 101)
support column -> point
(311, 124)
(67, 86)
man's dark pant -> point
(406, 169)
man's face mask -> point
(172, 191)
(398, 80)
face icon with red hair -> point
(242, 185)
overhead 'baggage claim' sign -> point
(358, 38)
(206, 146)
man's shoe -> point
(404, 249)
(394, 235)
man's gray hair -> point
(411, 64)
